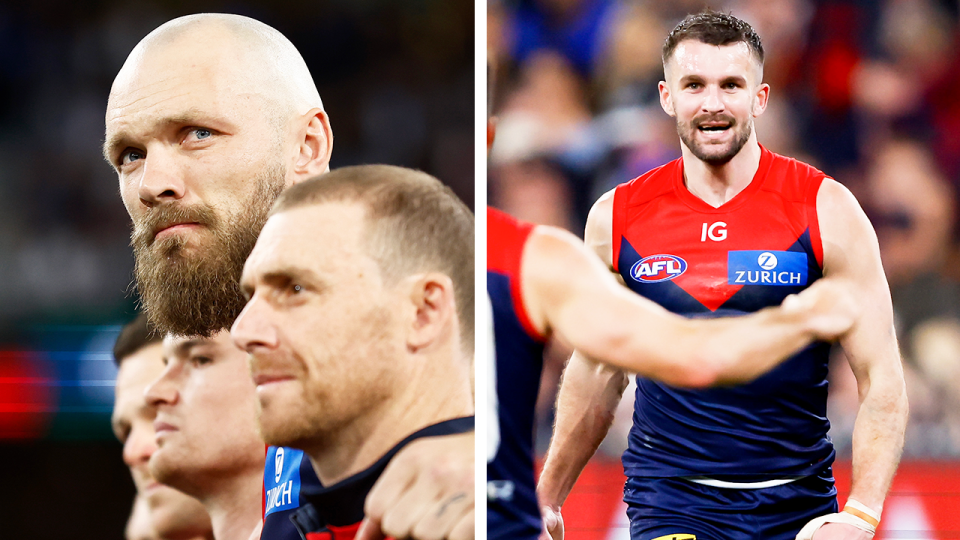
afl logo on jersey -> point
(657, 268)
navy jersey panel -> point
(335, 512)
(512, 509)
(709, 513)
(287, 473)
(704, 262)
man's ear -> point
(314, 145)
(665, 102)
(760, 104)
(434, 309)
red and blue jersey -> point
(512, 509)
(699, 261)
(286, 473)
(336, 512)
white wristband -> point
(851, 515)
(862, 511)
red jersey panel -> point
(656, 215)
(700, 261)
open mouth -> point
(714, 127)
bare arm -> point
(851, 252)
(568, 291)
(589, 395)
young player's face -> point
(714, 93)
(321, 325)
(171, 512)
(206, 417)
(199, 160)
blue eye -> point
(129, 156)
(202, 133)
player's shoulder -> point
(650, 184)
(835, 199)
(792, 178)
(506, 236)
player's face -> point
(206, 417)
(199, 160)
(171, 512)
(714, 93)
(321, 326)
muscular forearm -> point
(588, 397)
(878, 441)
(742, 349)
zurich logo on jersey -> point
(657, 268)
(777, 268)
(281, 485)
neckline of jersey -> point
(697, 204)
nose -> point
(162, 179)
(712, 100)
(253, 328)
(139, 446)
(164, 390)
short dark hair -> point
(713, 28)
(414, 223)
(134, 336)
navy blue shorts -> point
(676, 509)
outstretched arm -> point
(567, 291)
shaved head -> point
(261, 61)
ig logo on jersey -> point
(657, 268)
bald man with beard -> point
(210, 118)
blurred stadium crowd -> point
(866, 91)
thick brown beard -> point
(199, 293)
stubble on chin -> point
(688, 132)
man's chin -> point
(714, 153)
(167, 469)
(279, 431)
(178, 252)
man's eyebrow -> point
(285, 274)
(691, 77)
(734, 78)
(183, 348)
(112, 142)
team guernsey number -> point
(657, 268)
